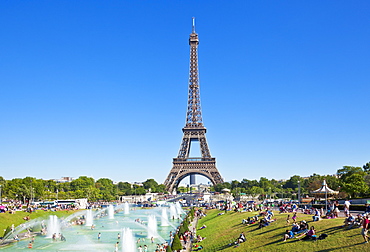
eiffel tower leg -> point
(184, 168)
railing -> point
(194, 159)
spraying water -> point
(53, 226)
(111, 212)
(152, 226)
(128, 242)
(164, 218)
(179, 209)
(89, 218)
(126, 208)
(173, 212)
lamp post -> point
(326, 200)
(299, 191)
(282, 193)
(1, 199)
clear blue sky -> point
(99, 88)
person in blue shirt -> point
(288, 235)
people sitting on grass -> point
(330, 214)
(239, 240)
(349, 220)
(203, 227)
(300, 228)
(310, 235)
(250, 220)
(317, 215)
(288, 235)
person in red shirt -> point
(365, 227)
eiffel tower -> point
(194, 131)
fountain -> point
(111, 212)
(152, 226)
(173, 212)
(164, 218)
(81, 238)
(89, 218)
(53, 226)
(126, 208)
(179, 209)
(128, 242)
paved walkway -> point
(192, 227)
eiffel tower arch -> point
(194, 131)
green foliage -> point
(219, 187)
(82, 187)
(168, 249)
(366, 167)
(176, 243)
(353, 180)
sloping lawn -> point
(7, 219)
(225, 229)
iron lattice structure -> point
(194, 130)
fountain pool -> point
(123, 227)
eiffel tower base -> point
(185, 167)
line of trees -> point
(350, 181)
(32, 189)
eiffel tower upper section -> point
(194, 112)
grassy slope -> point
(7, 219)
(223, 229)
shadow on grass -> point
(229, 245)
(349, 247)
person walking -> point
(365, 228)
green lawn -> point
(222, 230)
(7, 219)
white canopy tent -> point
(324, 190)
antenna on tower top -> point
(193, 24)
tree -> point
(293, 182)
(150, 184)
(347, 171)
(219, 187)
(255, 190)
(355, 185)
(82, 182)
(366, 167)
(352, 180)
(106, 188)
(176, 243)
(234, 184)
(168, 249)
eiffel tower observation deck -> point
(194, 131)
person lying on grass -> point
(200, 238)
(197, 247)
(288, 235)
(265, 222)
